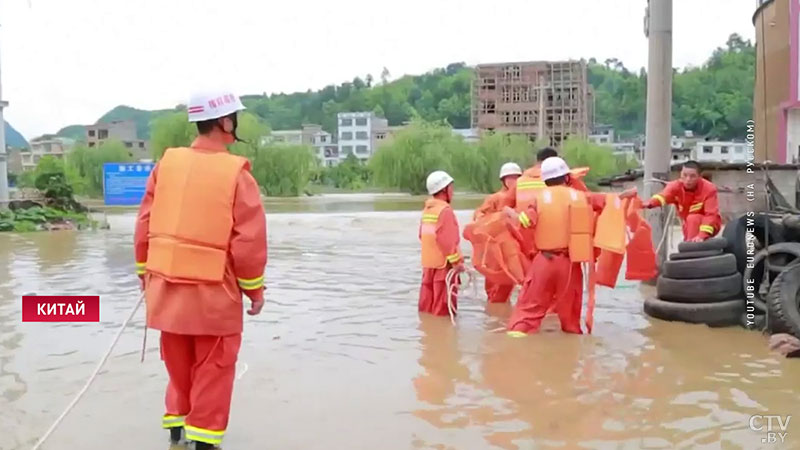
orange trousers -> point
(498, 293)
(433, 292)
(550, 283)
(201, 373)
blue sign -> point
(124, 183)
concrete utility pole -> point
(3, 162)
(658, 148)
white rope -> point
(93, 376)
(451, 287)
(667, 229)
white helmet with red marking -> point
(213, 105)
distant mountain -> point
(14, 138)
(76, 132)
(141, 117)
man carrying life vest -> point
(440, 239)
(200, 243)
(561, 221)
(509, 173)
(696, 200)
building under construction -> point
(550, 100)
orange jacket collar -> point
(206, 143)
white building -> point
(717, 151)
(359, 133)
(312, 135)
(47, 145)
(602, 135)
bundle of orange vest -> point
(619, 230)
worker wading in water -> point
(496, 202)
(200, 243)
(439, 235)
(561, 220)
(697, 202)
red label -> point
(61, 308)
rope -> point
(452, 287)
(93, 376)
(667, 229)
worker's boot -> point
(203, 446)
(175, 435)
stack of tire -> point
(700, 284)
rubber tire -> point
(735, 232)
(694, 255)
(692, 269)
(791, 227)
(715, 243)
(757, 271)
(726, 313)
(782, 302)
(704, 290)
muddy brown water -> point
(340, 358)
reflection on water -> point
(340, 358)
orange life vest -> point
(192, 215)
(432, 257)
(610, 231)
(496, 251)
(564, 221)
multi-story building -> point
(46, 145)
(551, 100)
(120, 130)
(360, 133)
(717, 151)
(312, 135)
(602, 134)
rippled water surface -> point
(340, 359)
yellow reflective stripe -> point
(252, 283)
(707, 229)
(454, 258)
(660, 199)
(429, 220)
(531, 185)
(172, 421)
(524, 219)
(140, 268)
(430, 216)
(203, 435)
(696, 207)
(516, 334)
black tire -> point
(783, 302)
(704, 290)
(735, 233)
(713, 314)
(780, 256)
(791, 227)
(716, 243)
(691, 269)
(694, 255)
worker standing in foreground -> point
(200, 243)
(561, 220)
(509, 173)
(697, 202)
(439, 235)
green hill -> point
(715, 99)
(14, 138)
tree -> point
(171, 130)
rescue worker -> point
(530, 181)
(509, 173)
(697, 202)
(555, 278)
(439, 235)
(200, 243)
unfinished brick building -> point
(550, 100)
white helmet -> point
(213, 105)
(554, 167)
(437, 181)
(510, 168)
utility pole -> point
(3, 162)
(658, 148)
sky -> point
(69, 61)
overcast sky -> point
(69, 61)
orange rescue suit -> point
(698, 209)
(439, 236)
(497, 291)
(562, 223)
(200, 243)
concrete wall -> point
(733, 185)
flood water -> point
(340, 358)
